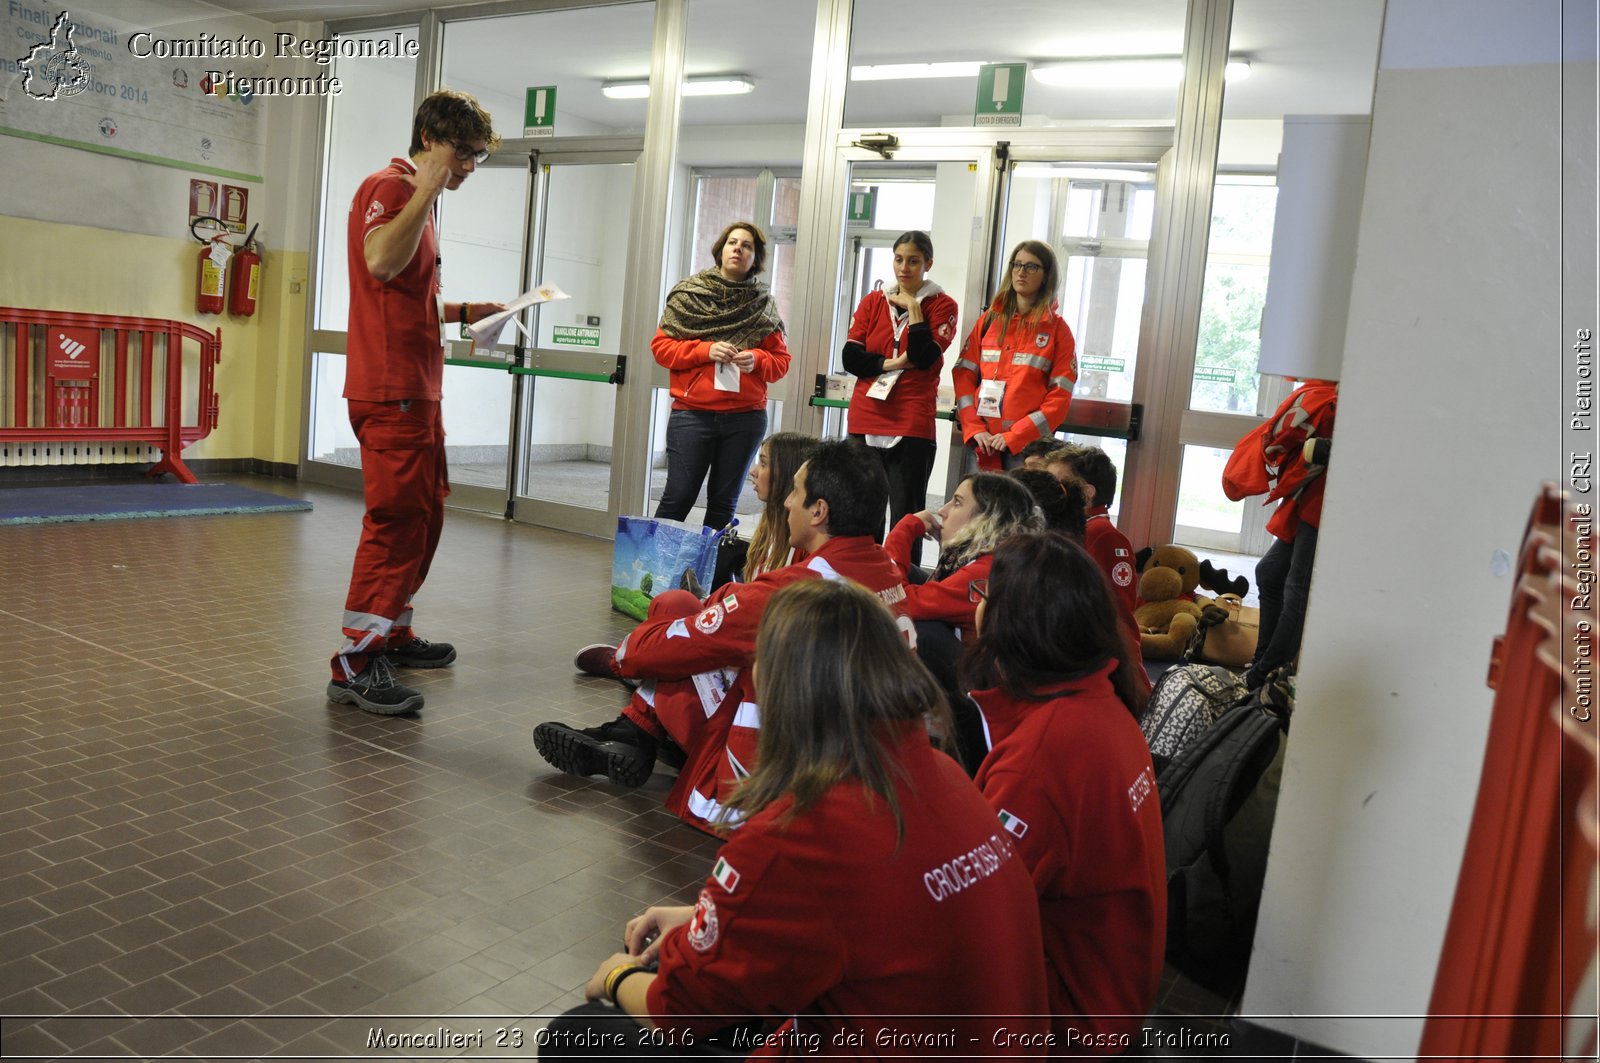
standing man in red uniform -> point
(393, 375)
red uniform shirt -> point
(395, 348)
(1113, 552)
(1036, 361)
(826, 921)
(947, 599)
(693, 379)
(880, 328)
(1072, 780)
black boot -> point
(621, 750)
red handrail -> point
(71, 409)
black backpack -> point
(1218, 800)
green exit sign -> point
(1217, 373)
(576, 336)
(539, 112)
(863, 205)
(999, 94)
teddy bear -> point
(1167, 611)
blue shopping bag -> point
(651, 555)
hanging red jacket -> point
(1271, 458)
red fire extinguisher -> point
(211, 273)
(244, 285)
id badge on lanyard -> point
(899, 320)
(991, 393)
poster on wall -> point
(177, 96)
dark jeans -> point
(1283, 578)
(908, 464)
(721, 443)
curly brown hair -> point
(452, 116)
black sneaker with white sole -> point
(420, 653)
(621, 750)
(375, 689)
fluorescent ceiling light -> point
(1044, 171)
(899, 71)
(728, 85)
(1124, 73)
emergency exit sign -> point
(999, 94)
(539, 112)
(863, 204)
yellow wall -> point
(49, 266)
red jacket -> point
(946, 599)
(1036, 360)
(396, 337)
(829, 926)
(693, 379)
(704, 697)
(909, 408)
(1271, 458)
(1072, 780)
(1113, 552)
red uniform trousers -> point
(685, 710)
(405, 481)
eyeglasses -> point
(466, 151)
(977, 590)
(1029, 268)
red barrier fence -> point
(1517, 972)
(101, 377)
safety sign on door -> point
(539, 113)
(1000, 94)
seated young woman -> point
(985, 508)
(1061, 503)
(1070, 775)
(779, 458)
(868, 900)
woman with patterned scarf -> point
(722, 341)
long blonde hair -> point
(769, 543)
(834, 677)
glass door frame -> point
(988, 151)
(533, 362)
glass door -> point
(1097, 218)
(569, 372)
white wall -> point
(1453, 358)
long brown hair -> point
(769, 543)
(834, 680)
(1049, 620)
(1005, 301)
(1004, 508)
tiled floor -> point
(200, 856)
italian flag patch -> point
(1011, 823)
(726, 876)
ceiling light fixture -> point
(720, 85)
(1132, 73)
(899, 71)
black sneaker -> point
(420, 653)
(375, 689)
(621, 750)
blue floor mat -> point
(135, 501)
